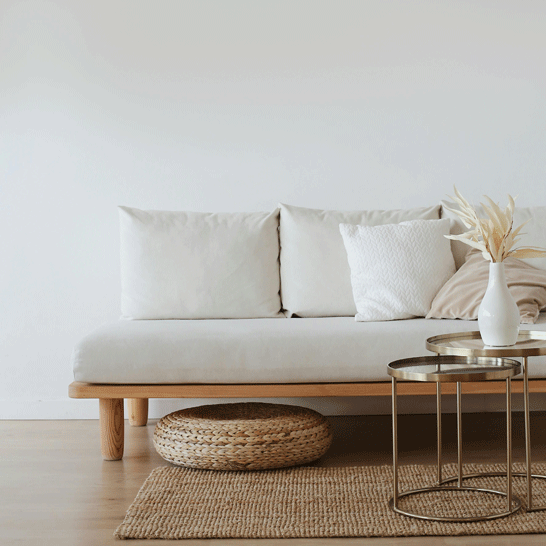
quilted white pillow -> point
(192, 265)
(533, 234)
(315, 275)
(397, 269)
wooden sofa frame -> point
(111, 398)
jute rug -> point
(178, 503)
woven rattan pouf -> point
(247, 436)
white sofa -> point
(248, 305)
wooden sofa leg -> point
(138, 411)
(111, 428)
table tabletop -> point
(451, 369)
(529, 343)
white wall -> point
(226, 106)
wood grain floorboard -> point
(56, 490)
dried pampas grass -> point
(494, 236)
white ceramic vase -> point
(498, 315)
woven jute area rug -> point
(178, 503)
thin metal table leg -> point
(508, 444)
(459, 437)
(527, 433)
(394, 445)
(439, 428)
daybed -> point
(254, 305)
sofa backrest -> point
(533, 234)
(192, 265)
(315, 273)
(189, 265)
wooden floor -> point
(56, 490)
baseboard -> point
(377, 405)
(49, 409)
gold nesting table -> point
(529, 343)
(453, 369)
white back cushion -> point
(315, 274)
(533, 234)
(397, 269)
(191, 265)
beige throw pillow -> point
(461, 296)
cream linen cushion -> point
(192, 265)
(461, 296)
(397, 269)
(315, 274)
(533, 234)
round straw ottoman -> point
(244, 436)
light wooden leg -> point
(138, 411)
(111, 428)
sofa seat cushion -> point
(335, 349)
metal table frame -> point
(448, 370)
(530, 343)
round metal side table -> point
(453, 369)
(529, 343)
